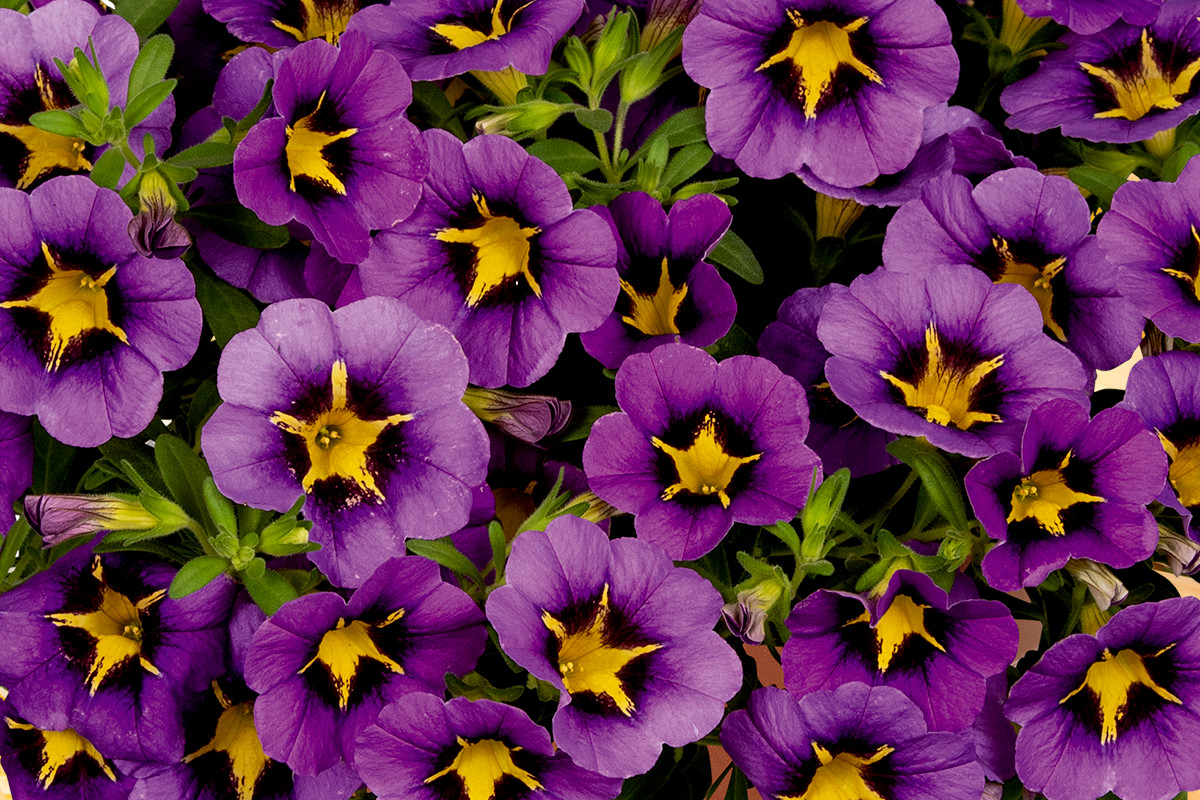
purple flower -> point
(286, 23)
(496, 254)
(838, 87)
(324, 668)
(1118, 711)
(16, 462)
(341, 157)
(854, 742)
(1093, 16)
(700, 445)
(668, 293)
(1019, 226)
(87, 326)
(947, 355)
(912, 637)
(361, 409)
(1078, 489)
(424, 749)
(1123, 84)
(626, 636)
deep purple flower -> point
(496, 254)
(1123, 84)
(16, 462)
(840, 88)
(1019, 226)
(361, 409)
(912, 637)
(341, 157)
(424, 749)
(838, 435)
(1093, 16)
(87, 326)
(668, 293)
(324, 667)
(700, 445)
(1118, 711)
(286, 23)
(1078, 489)
(947, 355)
(627, 638)
(854, 742)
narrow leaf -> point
(936, 476)
(152, 64)
(107, 170)
(227, 310)
(240, 225)
(687, 162)
(184, 474)
(64, 123)
(195, 575)
(736, 256)
(146, 16)
(203, 155)
(146, 101)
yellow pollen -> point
(1139, 89)
(589, 663)
(327, 22)
(903, 619)
(482, 764)
(1044, 495)
(343, 649)
(76, 304)
(1188, 278)
(338, 439)
(305, 151)
(1184, 472)
(840, 776)
(115, 627)
(1108, 682)
(704, 467)
(1035, 279)
(236, 737)
(654, 314)
(944, 391)
(59, 748)
(501, 251)
(460, 37)
(817, 51)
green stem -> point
(202, 537)
(619, 131)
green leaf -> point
(582, 420)
(1175, 162)
(737, 342)
(227, 310)
(147, 100)
(599, 120)
(687, 162)
(220, 508)
(204, 402)
(146, 16)
(679, 130)
(184, 474)
(64, 123)
(204, 155)
(736, 256)
(445, 554)
(195, 575)
(1099, 182)
(240, 225)
(269, 591)
(153, 61)
(51, 463)
(107, 170)
(936, 475)
(705, 187)
(565, 155)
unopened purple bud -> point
(528, 417)
(58, 517)
(747, 618)
(154, 231)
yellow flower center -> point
(654, 314)
(840, 776)
(482, 764)
(307, 146)
(1035, 279)
(236, 737)
(320, 19)
(501, 252)
(903, 620)
(460, 37)
(817, 50)
(589, 659)
(45, 152)
(1108, 683)
(1184, 472)
(1044, 495)
(704, 467)
(946, 390)
(343, 650)
(60, 748)
(1138, 89)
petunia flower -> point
(1093, 16)
(423, 749)
(699, 445)
(496, 253)
(361, 410)
(1117, 711)
(16, 462)
(627, 638)
(838, 87)
(1078, 489)
(286, 23)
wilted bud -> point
(154, 231)
(58, 517)
(1181, 553)
(747, 618)
(528, 417)
(1102, 582)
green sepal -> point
(195, 575)
(936, 475)
(647, 71)
(269, 590)
(108, 168)
(499, 544)
(736, 256)
(579, 61)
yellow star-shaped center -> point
(1044, 495)
(482, 764)
(460, 36)
(308, 140)
(320, 19)
(1036, 280)
(1141, 87)
(502, 249)
(704, 467)
(839, 776)
(1108, 682)
(654, 313)
(343, 650)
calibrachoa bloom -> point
(699, 445)
(1123, 84)
(625, 635)
(1118, 711)
(87, 326)
(1020, 226)
(16, 462)
(361, 409)
(912, 637)
(668, 293)
(341, 158)
(947, 355)
(325, 667)
(1093, 16)
(1150, 234)
(840, 88)
(424, 749)
(853, 742)
(286, 23)
(1079, 489)
(496, 254)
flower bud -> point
(154, 231)
(528, 417)
(1102, 582)
(747, 618)
(1182, 554)
(58, 517)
